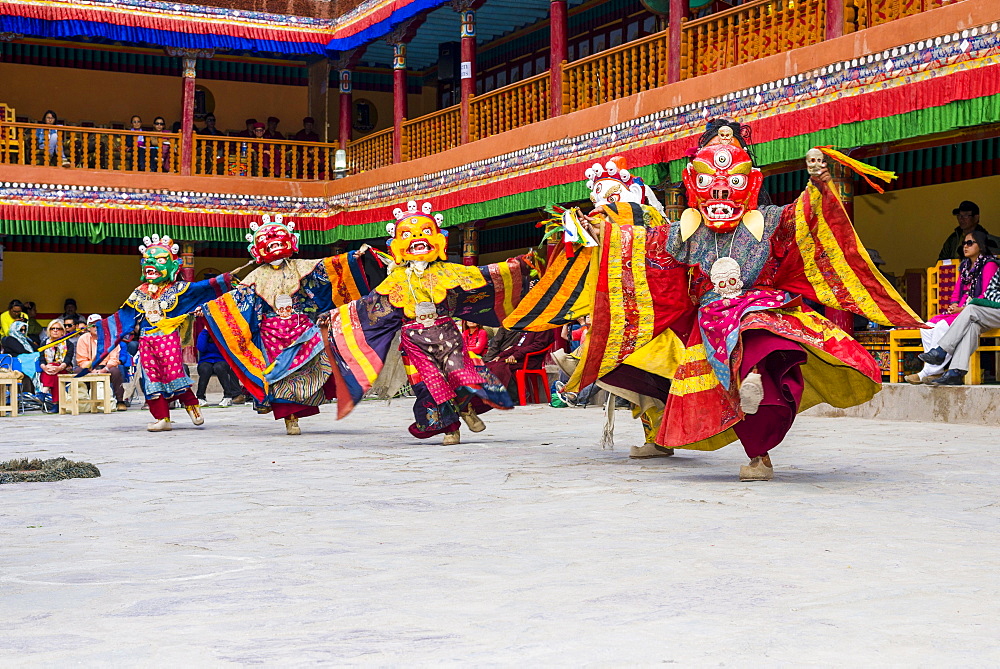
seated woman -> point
(17, 344)
(58, 357)
(975, 273)
(475, 338)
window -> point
(632, 32)
(501, 79)
(584, 48)
(600, 43)
(571, 52)
(649, 25)
(526, 69)
(615, 37)
(540, 65)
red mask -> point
(273, 242)
(723, 185)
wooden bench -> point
(78, 394)
(9, 390)
(940, 284)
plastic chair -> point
(539, 378)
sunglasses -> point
(969, 242)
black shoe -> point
(935, 356)
(953, 377)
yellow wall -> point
(99, 283)
(907, 227)
(112, 97)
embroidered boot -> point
(162, 425)
(759, 469)
(195, 413)
(292, 425)
(451, 438)
(649, 450)
(472, 420)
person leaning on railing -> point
(47, 147)
(135, 146)
(210, 152)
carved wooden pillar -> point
(187, 261)
(678, 14)
(346, 101)
(398, 99)
(470, 244)
(558, 51)
(673, 202)
(189, 63)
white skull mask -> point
(726, 277)
(815, 161)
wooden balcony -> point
(433, 133)
(262, 158)
(625, 70)
(510, 107)
(370, 152)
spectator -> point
(17, 344)
(260, 153)
(135, 146)
(511, 359)
(48, 143)
(272, 128)
(210, 361)
(962, 338)
(974, 275)
(15, 312)
(250, 123)
(307, 134)
(69, 311)
(57, 359)
(159, 147)
(967, 215)
(475, 338)
(210, 128)
(86, 347)
(502, 339)
(34, 327)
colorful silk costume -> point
(419, 299)
(159, 309)
(266, 328)
(675, 327)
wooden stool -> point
(12, 386)
(71, 401)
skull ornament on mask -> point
(417, 235)
(272, 242)
(726, 278)
(160, 262)
(723, 185)
(612, 182)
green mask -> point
(159, 265)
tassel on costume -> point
(608, 437)
(864, 169)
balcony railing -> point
(876, 12)
(616, 73)
(434, 133)
(268, 158)
(510, 107)
(370, 152)
(89, 148)
(751, 31)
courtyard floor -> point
(355, 544)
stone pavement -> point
(355, 544)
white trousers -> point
(962, 338)
(931, 338)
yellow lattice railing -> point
(750, 31)
(269, 158)
(370, 152)
(89, 148)
(875, 12)
(616, 73)
(433, 133)
(509, 107)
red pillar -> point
(187, 112)
(834, 18)
(187, 261)
(345, 108)
(468, 68)
(678, 14)
(558, 44)
(398, 99)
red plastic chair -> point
(538, 377)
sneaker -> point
(202, 402)
(226, 401)
(953, 377)
(935, 356)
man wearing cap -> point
(272, 128)
(85, 349)
(250, 123)
(967, 214)
(308, 132)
